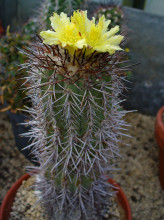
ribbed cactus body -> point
(76, 125)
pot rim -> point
(159, 128)
(122, 199)
(9, 198)
(159, 117)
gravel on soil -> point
(25, 206)
(12, 162)
(139, 170)
(138, 176)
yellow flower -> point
(65, 33)
(127, 50)
(79, 32)
(101, 40)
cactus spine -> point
(76, 125)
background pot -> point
(9, 199)
(159, 134)
(18, 129)
(122, 199)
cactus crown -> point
(80, 32)
(75, 82)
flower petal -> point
(115, 40)
(57, 22)
(81, 21)
(103, 24)
(113, 31)
(49, 37)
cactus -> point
(112, 12)
(75, 83)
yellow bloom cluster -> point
(79, 32)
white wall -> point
(108, 1)
(155, 6)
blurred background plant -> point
(10, 77)
(113, 13)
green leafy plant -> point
(10, 77)
(75, 81)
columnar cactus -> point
(75, 84)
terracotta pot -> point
(17, 120)
(9, 199)
(159, 134)
(122, 199)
